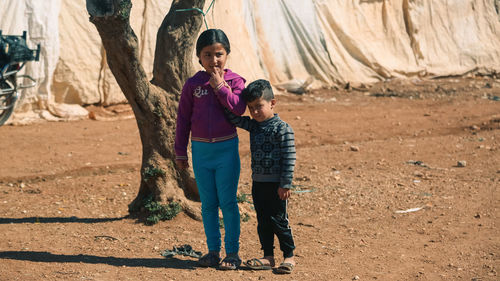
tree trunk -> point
(154, 104)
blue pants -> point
(216, 168)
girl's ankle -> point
(214, 253)
(233, 255)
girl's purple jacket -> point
(201, 110)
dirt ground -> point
(396, 182)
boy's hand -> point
(284, 193)
(216, 77)
(182, 164)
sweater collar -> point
(271, 120)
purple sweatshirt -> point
(201, 110)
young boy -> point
(272, 146)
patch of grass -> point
(242, 197)
(157, 111)
(152, 172)
(160, 212)
(245, 217)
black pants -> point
(272, 218)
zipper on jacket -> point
(210, 121)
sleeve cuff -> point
(286, 185)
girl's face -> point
(212, 57)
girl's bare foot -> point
(211, 259)
(230, 262)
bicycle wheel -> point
(7, 100)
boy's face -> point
(261, 109)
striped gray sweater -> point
(272, 145)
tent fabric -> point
(323, 42)
(82, 76)
(37, 18)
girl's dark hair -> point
(210, 37)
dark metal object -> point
(14, 53)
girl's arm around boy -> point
(244, 122)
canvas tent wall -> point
(331, 41)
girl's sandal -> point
(230, 263)
(209, 260)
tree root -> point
(190, 208)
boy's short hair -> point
(258, 89)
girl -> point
(214, 144)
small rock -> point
(475, 128)
(355, 277)
(418, 174)
(462, 163)
(354, 148)
(304, 178)
(297, 118)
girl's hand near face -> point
(216, 77)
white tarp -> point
(37, 18)
(324, 42)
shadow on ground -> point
(58, 220)
(90, 259)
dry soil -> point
(398, 181)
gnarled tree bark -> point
(154, 103)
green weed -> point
(152, 172)
(158, 212)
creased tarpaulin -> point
(39, 19)
(323, 42)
